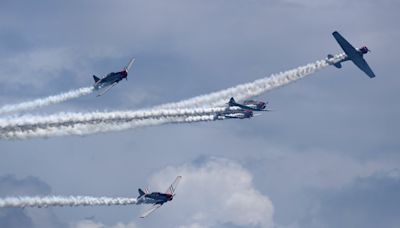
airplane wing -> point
(363, 65)
(231, 117)
(153, 208)
(173, 186)
(346, 46)
(130, 64)
(257, 110)
(106, 90)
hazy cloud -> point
(214, 192)
(12, 217)
(372, 201)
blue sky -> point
(326, 157)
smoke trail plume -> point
(92, 128)
(61, 201)
(255, 88)
(46, 101)
(10, 123)
(179, 112)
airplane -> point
(156, 198)
(249, 105)
(353, 54)
(234, 114)
(111, 79)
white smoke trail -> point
(46, 101)
(92, 128)
(255, 88)
(75, 118)
(82, 124)
(72, 201)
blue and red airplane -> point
(157, 199)
(111, 79)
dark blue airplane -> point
(157, 199)
(353, 54)
(249, 105)
(111, 79)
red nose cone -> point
(364, 50)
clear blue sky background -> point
(328, 156)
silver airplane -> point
(157, 199)
(111, 79)
(234, 114)
(353, 54)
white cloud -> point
(218, 191)
(93, 224)
(36, 67)
(194, 225)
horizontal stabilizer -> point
(338, 65)
(331, 61)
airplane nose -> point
(365, 49)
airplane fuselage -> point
(360, 51)
(111, 78)
(154, 198)
(251, 105)
(235, 114)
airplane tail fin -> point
(231, 102)
(141, 192)
(337, 65)
(129, 65)
(96, 79)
